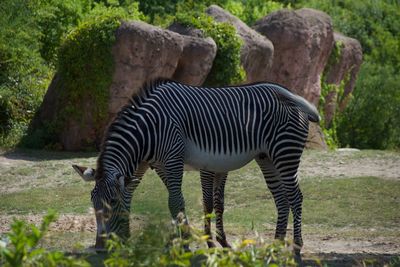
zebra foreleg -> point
(207, 182)
(213, 187)
(173, 171)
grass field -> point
(338, 208)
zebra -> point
(170, 126)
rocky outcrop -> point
(198, 55)
(315, 138)
(257, 51)
(302, 41)
(184, 30)
(196, 60)
(344, 68)
(142, 52)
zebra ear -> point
(87, 174)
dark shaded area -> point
(322, 259)
(357, 259)
(44, 155)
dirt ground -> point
(341, 164)
(350, 163)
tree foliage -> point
(24, 74)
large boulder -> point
(184, 30)
(141, 52)
(302, 41)
(196, 60)
(198, 55)
(315, 138)
(344, 68)
(257, 51)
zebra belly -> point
(196, 159)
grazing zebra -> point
(214, 130)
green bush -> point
(55, 19)
(85, 59)
(24, 75)
(226, 68)
(159, 10)
(250, 11)
(148, 249)
(153, 246)
(372, 118)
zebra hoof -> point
(297, 255)
(186, 248)
(297, 259)
(224, 243)
(210, 244)
(93, 249)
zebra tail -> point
(303, 104)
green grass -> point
(361, 202)
(350, 206)
(65, 199)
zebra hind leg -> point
(207, 181)
(218, 196)
(277, 189)
(288, 170)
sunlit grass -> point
(348, 206)
(361, 202)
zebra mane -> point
(146, 88)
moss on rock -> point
(227, 68)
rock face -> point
(257, 51)
(196, 60)
(302, 41)
(142, 52)
(188, 31)
(344, 68)
(198, 55)
(315, 138)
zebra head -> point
(112, 212)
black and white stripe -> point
(169, 125)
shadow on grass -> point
(357, 259)
(322, 259)
(44, 155)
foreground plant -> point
(20, 247)
(150, 249)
